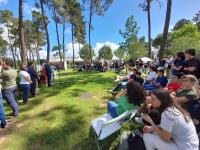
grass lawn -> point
(58, 118)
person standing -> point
(25, 82)
(9, 88)
(48, 73)
(2, 113)
(34, 77)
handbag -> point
(135, 141)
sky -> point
(106, 28)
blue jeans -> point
(149, 87)
(2, 113)
(112, 108)
(26, 90)
(33, 88)
(120, 86)
(10, 96)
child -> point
(176, 84)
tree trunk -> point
(73, 43)
(79, 46)
(46, 30)
(21, 34)
(90, 22)
(16, 52)
(57, 34)
(37, 53)
(32, 56)
(166, 27)
(11, 47)
(149, 26)
(63, 42)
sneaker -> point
(117, 80)
(110, 90)
(3, 125)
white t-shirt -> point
(183, 132)
(23, 75)
(152, 75)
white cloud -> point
(43, 54)
(28, 9)
(112, 45)
(3, 1)
(5, 33)
(69, 53)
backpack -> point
(135, 141)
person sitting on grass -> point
(122, 85)
(137, 77)
(151, 77)
(161, 81)
(176, 130)
(176, 83)
(188, 92)
(133, 97)
(132, 71)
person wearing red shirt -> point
(176, 84)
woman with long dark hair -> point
(133, 97)
(176, 130)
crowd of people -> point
(28, 83)
(168, 99)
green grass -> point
(58, 119)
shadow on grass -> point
(62, 137)
(69, 135)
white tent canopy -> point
(145, 59)
(115, 58)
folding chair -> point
(106, 125)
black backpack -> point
(135, 141)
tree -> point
(179, 24)
(14, 31)
(184, 38)
(74, 14)
(84, 53)
(196, 19)
(21, 35)
(96, 7)
(3, 44)
(28, 36)
(106, 53)
(45, 22)
(63, 11)
(6, 17)
(146, 6)
(80, 30)
(53, 6)
(137, 48)
(166, 27)
(130, 33)
(119, 53)
(38, 33)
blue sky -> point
(106, 28)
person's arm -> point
(165, 135)
(180, 100)
(28, 79)
(191, 69)
(121, 93)
(178, 68)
